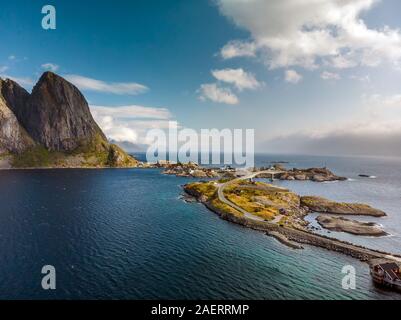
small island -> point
(350, 226)
(322, 205)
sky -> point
(310, 76)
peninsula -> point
(280, 213)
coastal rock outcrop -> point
(319, 204)
(313, 174)
(350, 226)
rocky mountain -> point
(13, 137)
(53, 127)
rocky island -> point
(322, 205)
(52, 127)
(189, 169)
(350, 226)
(312, 174)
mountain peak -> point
(53, 126)
(58, 116)
(50, 76)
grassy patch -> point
(207, 189)
(36, 157)
(261, 199)
(225, 208)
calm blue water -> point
(126, 234)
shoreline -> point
(68, 168)
(301, 237)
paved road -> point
(251, 175)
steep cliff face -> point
(53, 127)
(15, 96)
(57, 116)
(13, 137)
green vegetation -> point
(225, 208)
(206, 189)
(118, 158)
(37, 156)
(261, 199)
(97, 153)
(4, 155)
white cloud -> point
(3, 69)
(130, 123)
(132, 112)
(217, 94)
(238, 77)
(22, 81)
(287, 33)
(50, 66)
(12, 57)
(325, 75)
(238, 49)
(292, 76)
(365, 78)
(121, 88)
(378, 100)
(342, 62)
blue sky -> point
(301, 76)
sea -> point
(129, 234)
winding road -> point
(222, 197)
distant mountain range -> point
(52, 127)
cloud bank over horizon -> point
(381, 138)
